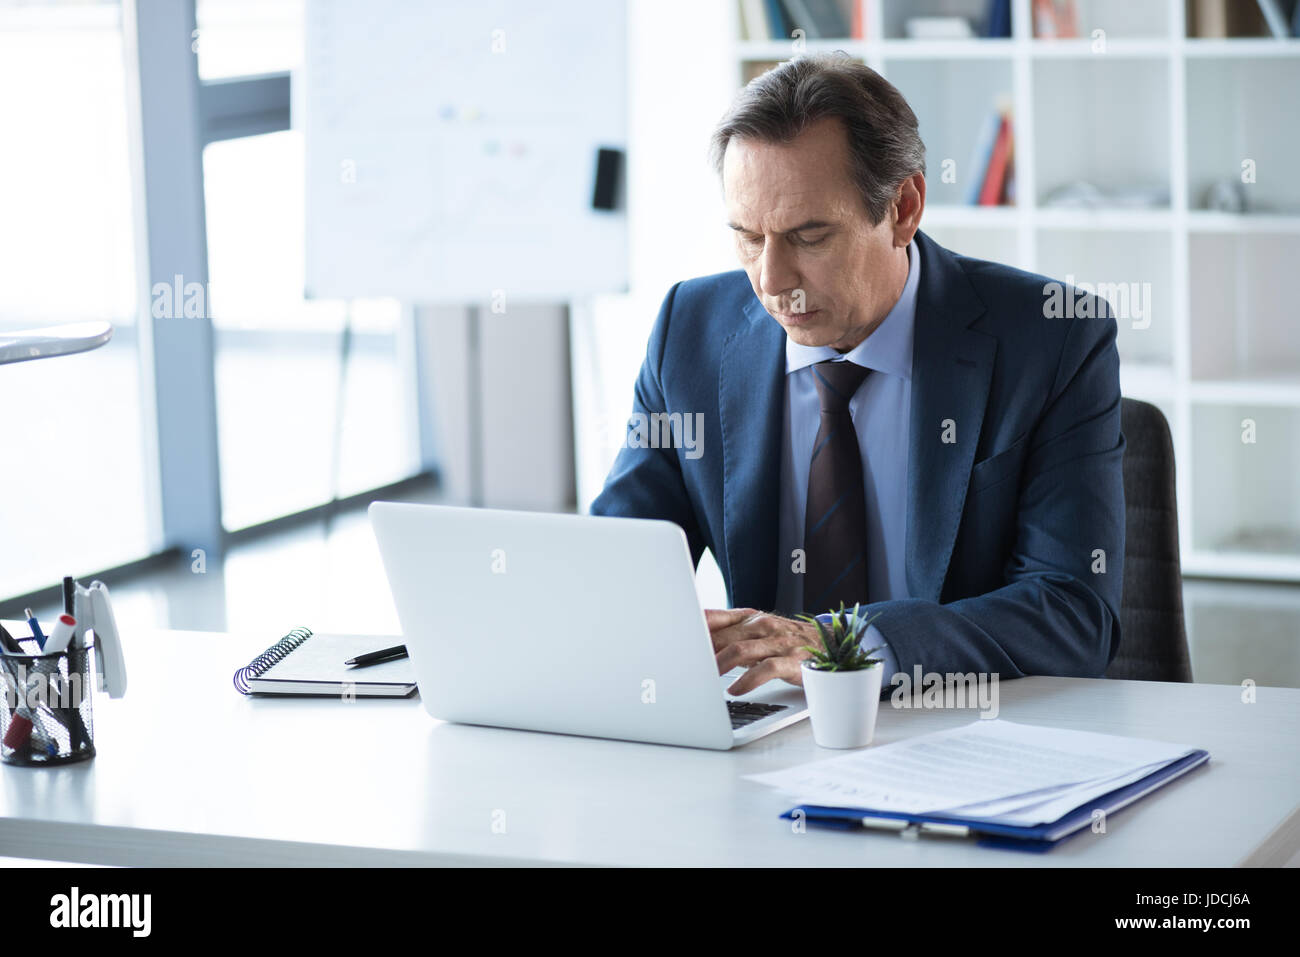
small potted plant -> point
(842, 681)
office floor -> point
(332, 580)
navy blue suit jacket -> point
(1015, 528)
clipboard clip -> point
(912, 830)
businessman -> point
(886, 422)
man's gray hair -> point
(884, 145)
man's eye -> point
(801, 241)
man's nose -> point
(776, 272)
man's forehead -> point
(777, 186)
(781, 210)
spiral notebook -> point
(304, 663)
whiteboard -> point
(451, 149)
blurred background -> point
(344, 244)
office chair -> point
(1153, 639)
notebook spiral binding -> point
(272, 656)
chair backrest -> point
(1153, 638)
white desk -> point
(191, 773)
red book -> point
(996, 175)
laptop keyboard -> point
(747, 712)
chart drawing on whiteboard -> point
(448, 157)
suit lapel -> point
(751, 390)
(952, 367)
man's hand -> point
(768, 645)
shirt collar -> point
(888, 349)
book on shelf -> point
(1007, 194)
(753, 20)
(1273, 17)
(979, 160)
(991, 160)
(777, 20)
(938, 28)
(818, 19)
(1221, 19)
(997, 22)
(1055, 19)
(995, 177)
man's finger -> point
(745, 644)
(747, 653)
(761, 625)
(717, 618)
(765, 671)
(750, 626)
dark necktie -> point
(835, 522)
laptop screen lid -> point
(567, 623)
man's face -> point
(804, 237)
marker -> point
(35, 626)
(70, 600)
(374, 657)
(20, 731)
(23, 731)
(60, 636)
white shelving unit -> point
(1139, 104)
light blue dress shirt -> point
(881, 411)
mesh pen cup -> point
(45, 708)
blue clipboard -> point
(1036, 838)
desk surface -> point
(189, 772)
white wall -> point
(683, 75)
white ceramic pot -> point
(842, 705)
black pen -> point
(374, 657)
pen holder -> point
(45, 708)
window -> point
(278, 356)
(74, 483)
(297, 424)
(247, 37)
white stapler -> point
(95, 613)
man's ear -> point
(909, 203)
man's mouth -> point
(796, 318)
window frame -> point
(173, 115)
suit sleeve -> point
(1058, 613)
(647, 482)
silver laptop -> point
(573, 624)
